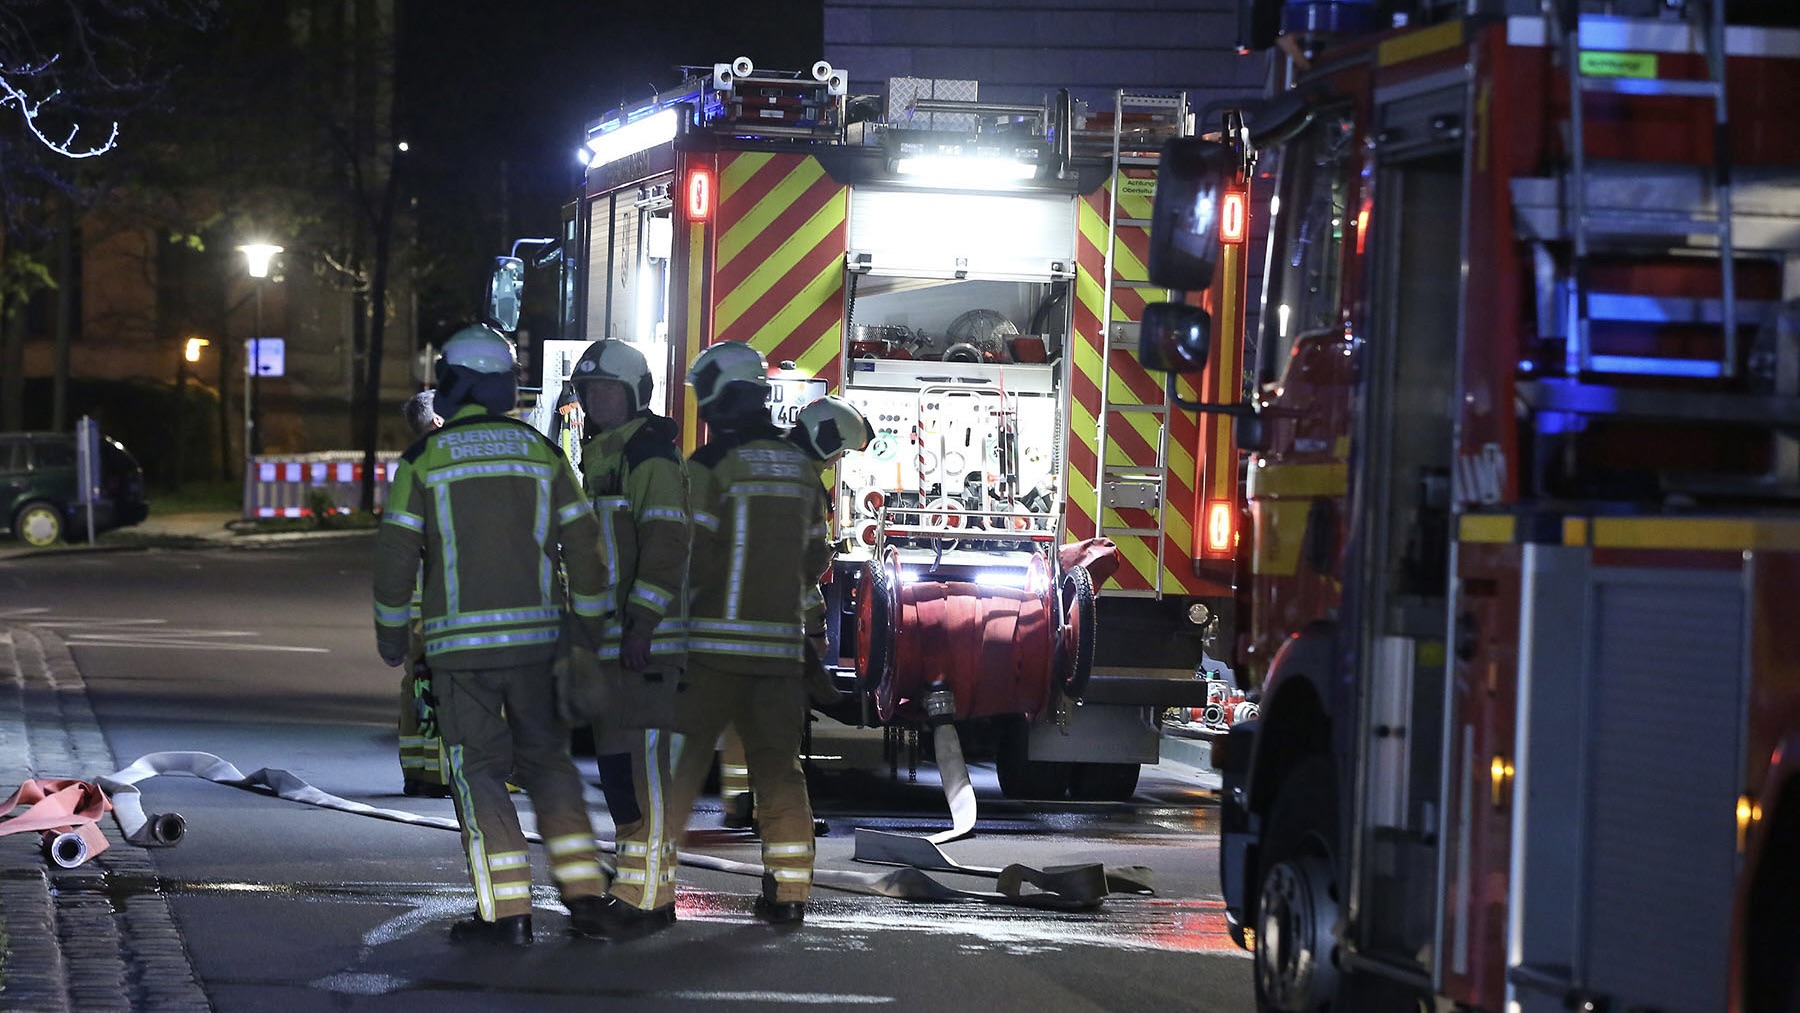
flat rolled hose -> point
(167, 829)
(1075, 648)
(874, 624)
(65, 850)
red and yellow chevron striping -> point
(778, 277)
(1132, 437)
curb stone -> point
(69, 947)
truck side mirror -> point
(505, 290)
(1184, 229)
(1251, 434)
(1174, 337)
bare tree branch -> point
(13, 95)
(358, 280)
(73, 74)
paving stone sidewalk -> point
(68, 947)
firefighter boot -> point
(513, 930)
(779, 912)
(740, 812)
(611, 918)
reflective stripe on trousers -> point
(734, 770)
(500, 721)
(769, 712)
(646, 856)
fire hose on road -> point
(66, 812)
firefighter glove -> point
(634, 651)
(424, 702)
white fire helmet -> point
(830, 425)
(722, 365)
(480, 349)
(611, 359)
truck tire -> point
(38, 523)
(1295, 962)
(1104, 782)
(1020, 776)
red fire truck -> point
(1035, 527)
(1525, 464)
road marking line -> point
(101, 631)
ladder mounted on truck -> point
(1140, 125)
(1635, 352)
(1591, 225)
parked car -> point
(40, 491)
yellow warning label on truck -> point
(1618, 64)
(1138, 187)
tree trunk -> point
(12, 363)
(225, 345)
(378, 286)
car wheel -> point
(38, 523)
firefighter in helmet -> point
(421, 751)
(636, 479)
(824, 428)
(492, 511)
(759, 541)
(829, 426)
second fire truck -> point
(1525, 490)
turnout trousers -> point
(734, 770)
(769, 712)
(498, 721)
(646, 850)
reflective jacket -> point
(759, 547)
(638, 483)
(496, 515)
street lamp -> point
(257, 257)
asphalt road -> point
(266, 658)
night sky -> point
(485, 84)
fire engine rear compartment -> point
(981, 328)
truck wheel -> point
(38, 523)
(1021, 776)
(1104, 782)
(1297, 908)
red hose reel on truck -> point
(999, 648)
